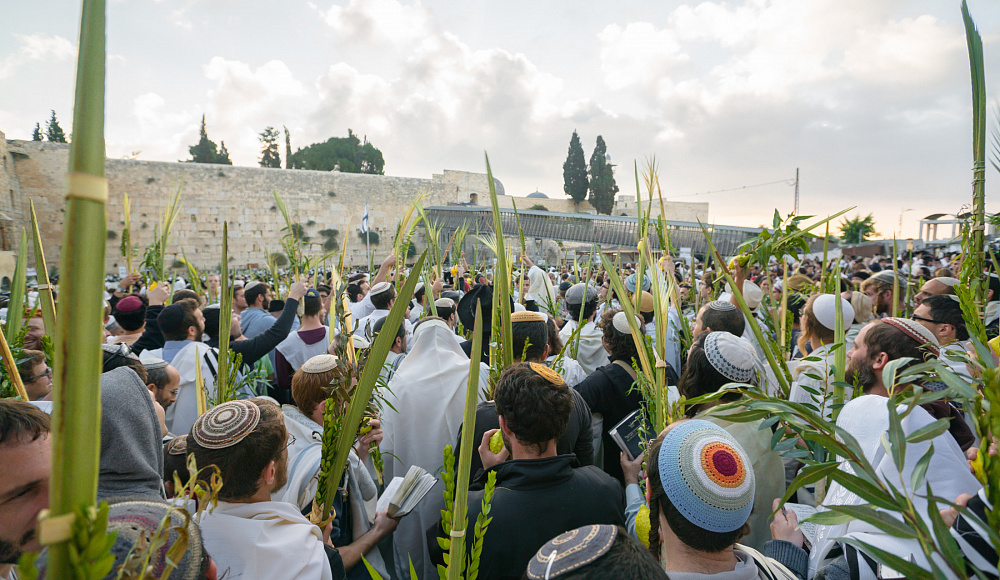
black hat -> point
(482, 293)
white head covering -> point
(866, 418)
(947, 281)
(824, 308)
(752, 294)
(540, 288)
(732, 356)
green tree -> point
(54, 131)
(602, 179)
(206, 151)
(857, 229)
(36, 135)
(575, 170)
(288, 148)
(348, 154)
(269, 156)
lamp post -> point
(899, 232)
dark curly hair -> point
(534, 408)
(620, 346)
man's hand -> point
(527, 261)
(384, 525)
(489, 458)
(235, 331)
(389, 261)
(327, 530)
(158, 296)
(298, 289)
(125, 283)
(951, 514)
(632, 469)
(373, 436)
(437, 288)
(785, 525)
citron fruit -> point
(642, 525)
(496, 442)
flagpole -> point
(368, 245)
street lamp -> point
(899, 232)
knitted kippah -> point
(226, 425)
(129, 304)
(946, 280)
(379, 288)
(319, 364)
(547, 374)
(620, 322)
(707, 476)
(917, 332)
(577, 292)
(178, 445)
(732, 356)
(527, 316)
(444, 303)
(570, 551)
(250, 285)
(154, 363)
(138, 521)
(885, 276)
(646, 303)
(630, 282)
(721, 306)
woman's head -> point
(618, 339)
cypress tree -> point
(602, 180)
(575, 170)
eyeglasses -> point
(291, 441)
(922, 319)
(47, 373)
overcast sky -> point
(871, 99)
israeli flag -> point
(364, 221)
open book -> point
(628, 433)
(803, 511)
(404, 493)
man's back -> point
(534, 501)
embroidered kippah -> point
(527, 316)
(721, 305)
(319, 364)
(226, 425)
(129, 304)
(379, 288)
(178, 445)
(154, 363)
(547, 374)
(707, 475)
(917, 332)
(571, 551)
(620, 322)
(732, 356)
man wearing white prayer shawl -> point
(591, 353)
(182, 325)
(540, 289)
(428, 390)
(382, 296)
(866, 418)
(249, 536)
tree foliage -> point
(602, 180)
(206, 151)
(347, 154)
(269, 156)
(54, 131)
(858, 229)
(36, 135)
(575, 170)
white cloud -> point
(36, 47)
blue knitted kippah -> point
(707, 476)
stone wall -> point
(211, 194)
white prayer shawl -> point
(866, 418)
(264, 540)
(297, 352)
(428, 390)
(803, 376)
(571, 370)
(540, 289)
(992, 312)
(304, 458)
(672, 349)
(591, 353)
(182, 414)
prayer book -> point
(803, 511)
(404, 493)
(628, 433)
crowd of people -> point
(702, 501)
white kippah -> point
(419, 287)
(620, 322)
(947, 281)
(825, 310)
(153, 363)
(732, 356)
(721, 305)
(319, 364)
(444, 303)
(379, 288)
(250, 285)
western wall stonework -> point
(212, 194)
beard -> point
(280, 472)
(860, 375)
(11, 551)
(266, 304)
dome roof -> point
(538, 195)
(499, 186)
